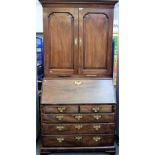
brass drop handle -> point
(80, 42)
(60, 140)
(78, 138)
(79, 126)
(59, 117)
(78, 117)
(61, 109)
(78, 83)
(95, 109)
(97, 127)
(60, 128)
(97, 117)
(96, 139)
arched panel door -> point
(61, 43)
(95, 37)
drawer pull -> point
(97, 117)
(96, 139)
(78, 83)
(78, 117)
(97, 127)
(60, 128)
(79, 126)
(59, 117)
(60, 140)
(95, 109)
(78, 138)
(61, 109)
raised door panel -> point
(95, 41)
(60, 50)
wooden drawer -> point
(60, 109)
(79, 140)
(85, 128)
(96, 108)
(64, 118)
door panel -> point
(61, 52)
(95, 32)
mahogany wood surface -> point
(78, 118)
(80, 140)
(94, 128)
(88, 92)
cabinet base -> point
(111, 150)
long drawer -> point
(66, 118)
(85, 128)
(79, 140)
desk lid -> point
(71, 91)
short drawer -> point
(79, 140)
(64, 118)
(49, 109)
(96, 108)
(84, 128)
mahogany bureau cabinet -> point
(78, 103)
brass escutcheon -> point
(96, 139)
(79, 126)
(61, 109)
(78, 83)
(97, 127)
(78, 138)
(78, 117)
(95, 109)
(97, 117)
(60, 128)
(60, 117)
(60, 140)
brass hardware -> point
(75, 41)
(97, 117)
(60, 128)
(95, 109)
(79, 126)
(78, 117)
(61, 109)
(78, 83)
(97, 127)
(60, 140)
(78, 138)
(80, 42)
(96, 139)
(59, 117)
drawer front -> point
(79, 140)
(96, 108)
(63, 129)
(59, 109)
(64, 118)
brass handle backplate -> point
(59, 117)
(78, 117)
(60, 128)
(97, 117)
(95, 109)
(61, 109)
(78, 138)
(97, 127)
(78, 83)
(96, 139)
(79, 126)
(60, 140)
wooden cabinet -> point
(78, 41)
(78, 113)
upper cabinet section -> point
(78, 38)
